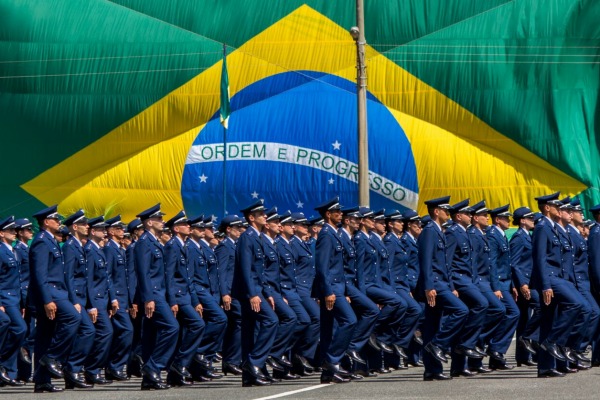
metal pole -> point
(224, 154)
(361, 80)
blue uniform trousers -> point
(505, 332)
(158, 335)
(307, 345)
(442, 326)
(528, 326)
(24, 370)
(334, 344)
(258, 333)
(54, 338)
(302, 319)
(136, 340)
(366, 314)
(477, 305)
(591, 327)
(559, 318)
(216, 323)
(121, 341)
(82, 344)
(16, 331)
(98, 356)
(192, 328)
(492, 323)
(286, 329)
(232, 348)
(388, 325)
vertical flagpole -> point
(224, 144)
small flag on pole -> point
(225, 108)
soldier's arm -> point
(324, 251)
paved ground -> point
(520, 383)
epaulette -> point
(595, 228)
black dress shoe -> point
(400, 367)
(333, 378)
(356, 377)
(382, 370)
(253, 370)
(567, 370)
(418, 340)
(96, 379)
(494, 355)
(255, 382)
(114, 375)
(202, 360)
(526, 344)
(211, 374)
(180, 370)
(550, 373)
(553, 350)
(149, 375)
(399, 351)
(481, 351)
(218, 357)
(333, 369)
(151, 385)
(46, 387)
(176, 380)
(435, 377)
(285, 376)
(465, 372)
(386, 348)
(481, 370)
(16, 383)
(52, 366)
(373, 343)
(274, 364)
(471, 353)
(415, 364)
(7, 380)
(366, 374)
(581, 357)
(268, 376)
(76, 380)
(301, 361)
(582, 367)
(501, 366)
(527, 363)
(436, 352)
(353, 354)
(24, 355)
(134, 368)
(231, 369)
(569, 354)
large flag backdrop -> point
(113, 106)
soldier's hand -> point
(548, 295)
(348, 299)
(199, 310)
(133, 311)
(430, 295)
(226, 302)
(3, 310)
(93, 315)
(22, 312)
(526, 292)
(255, 303)
(286, 302)
(498, 294)
(50, 309)
(115, 306)
(329, 302)
(515, 294)
(149, 306)
(77, 307)
(175, 310)
(271, 301)
(455, 292)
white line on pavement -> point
(306, 389)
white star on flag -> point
(203, 178)
(299, 204)
(213, 218)
(331, 181)
(254, 195)
(336, 145)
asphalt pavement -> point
(519, 383)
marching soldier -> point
(134, 367)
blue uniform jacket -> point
(329, 263)
(383, 260)
(99, 282)
(398, 259)
(521, 257)
(134, 296)
(76, 272)
(117, 271)
(22, 251)
(547, 253)
(197, 266)
(225, 253)
(432, 261)
(367, 266)
(409, 244)
(47, 270)
(580, 259)
(352, 275)
(593, 243)
(287, 264)
(305, 266)
(459, 253)
(149, 268)
(500, 257)
(10, 285)
(180, 288)
(248, 276)
(272, 278)
(487, 276)
(567, 255)
(213, 269)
